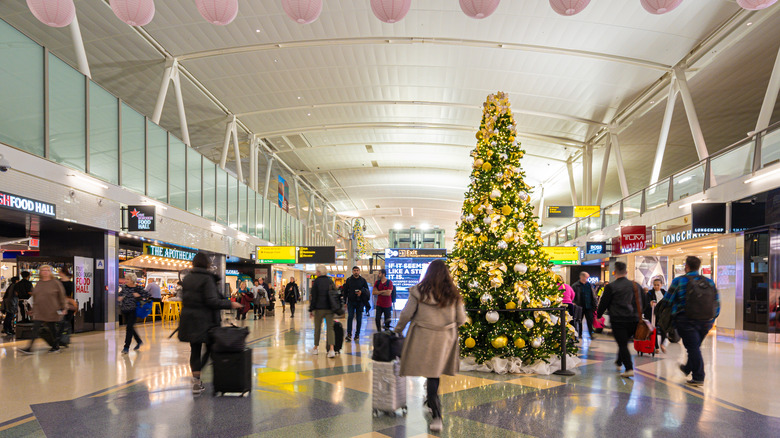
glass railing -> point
(82, 126)
(738, 160)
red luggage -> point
(647, 346)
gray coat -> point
(200, 305)
(431, 345)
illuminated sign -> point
(573, 211)
(708, 217)
(560, 211)
(415, 253)
(587, 211)
(27, 205)
(276, 254)
(596, 248)
(406, 266)
(316, 254)
(140, 217)
(633, 238)
(233, 272)
(562, 255)
(169, 253)
(681, 237)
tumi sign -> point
(633, 238)
(27, 205)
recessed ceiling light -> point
(257, 30)
(397, 226)
(276, 60)
(299, 97)
(749, 23)
(308, 114)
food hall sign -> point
(27, 205)
(168, 253)
(141, 217)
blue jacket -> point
(678, 288)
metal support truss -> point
(664, 136)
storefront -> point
(153, 260)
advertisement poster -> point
(284, 194)
(83, 281)
(648, 268)
(406, 267)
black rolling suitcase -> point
(232, 372)
(24, 330)
(338, 331)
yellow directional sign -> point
(276, 254)
(587, 210)
(562, 255)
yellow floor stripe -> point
(687, 391)
(119, 388)
(18, 423)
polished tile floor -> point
(90, 390)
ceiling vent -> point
(369, 149)
(374, 163)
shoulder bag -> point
(644, 329)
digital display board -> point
(573, 211)
(745, 215)
(316, 254)
(560, 211)
(708, 217)
(276, 254)
(562, 255)
(596, 248)
(406, 267)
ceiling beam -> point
(463, 170)
(562, 141)
(643, 63)
(515, 110)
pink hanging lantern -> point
(569, 7)
(390, 11)
(755, 5)
(134, 12)
(54, 13)
(302, 11)
(478, 8)
(219, 12)
(659, 7)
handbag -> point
(230, 339)
(142, 310)
(387, 346)
(644, 329)
(335, 300)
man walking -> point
(356, 291)
(23, 289)
(585, 297)
(49, 305)
(292, 295)
(620, 298)
(383, 289)
(695, 306)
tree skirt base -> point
(514, 365)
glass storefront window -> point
(133, 163)
(22, 76)
(194, 176)
(156, 162)
(67, 115)
(177, 173)
(209, 190)
(103, 134)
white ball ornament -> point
(532, 252)
(474, 284)
(495, 194)
(463, 218)
(487, 220)
(554, 319)
(500, 175)
(477, 230)
(492, 317)
(502, 245)
(486, 298)
(521, 268)
(489, 209)
(523, 196)
(546, 302)
(469, 218)
(537, 342)
(504, 156)
(528, 323)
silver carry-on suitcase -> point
(389, 389)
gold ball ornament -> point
(475, 209)
(478, 162)
(470, 343)
(519, 342)
(505, 210)
(483, 238)
(499, 342)
(486, 167)
(511, 305)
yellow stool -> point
(176, 311)
(167, 313)
(155, 308)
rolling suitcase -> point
(647, 346)
(338, 331)
(232, 372)
(24, 330)
(388, 388)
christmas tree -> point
(497, 259)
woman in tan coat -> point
(435, 310)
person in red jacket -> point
(383, 289)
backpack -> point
(393, 295)
(700, 299)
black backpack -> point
(700, 299)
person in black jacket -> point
(620, 299)
(201, 304)
(291, 295)
(585, 297)
(320, 308)
(23, 289)
(355, 289)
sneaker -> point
(663, 349)
(25, 351)
(696, 383)
(436, 425)
(627, 373)
(315, 351)
(54, 350)
(682, 368)
(138, 346)
(331, 354)
(348, 338)
(197, 387)
(125, 350)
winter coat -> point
(291, 294)
(10, 301)
(620, 299)
(48, 298)
(200, 305)
(320, 293)
(352, 284)
(246, 298)
(580, 289)
(261, 291)
(129, 301)
(568, 293)
(431, 346)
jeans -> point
(327, 315)
(587, 315)
(196, 361)
(622, 331)
(130, 332)
(8, 322)
(387, 312)
(354, 311)
(693, 334)
(36, 331)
